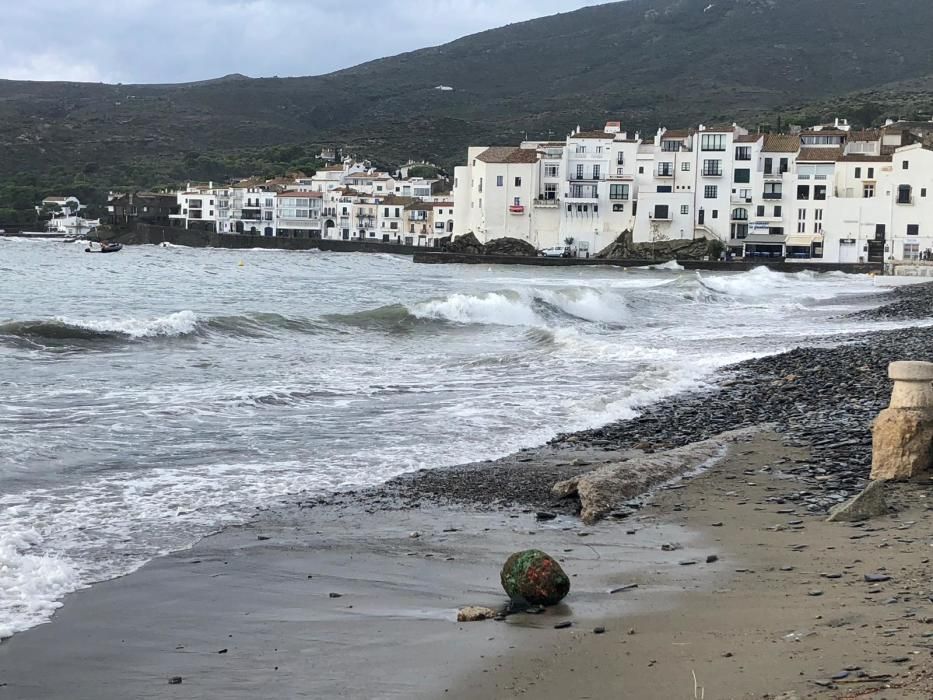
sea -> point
(153, 396)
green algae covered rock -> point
(534, 577)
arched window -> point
(740, 214)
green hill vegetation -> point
(647, 62)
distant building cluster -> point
(347, 201)
(826, 193)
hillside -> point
(646, 61)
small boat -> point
(106, 248)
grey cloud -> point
(176, 41)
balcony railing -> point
(712, 172)
(773, 195)
(547, 202)
(656, 216)
(664, 173)
(516, 209)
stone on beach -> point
(534, 577)
(475, 613)
(606, 489)
(870, 503)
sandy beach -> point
(733, 585)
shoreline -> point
(821, 459)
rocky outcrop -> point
(870, 503)
(531, 576)
(608, 488)
(467, 243)
(510, 246)
(625, 249)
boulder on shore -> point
(624, 248)
(870, 503)
(467, 243)
(534, 577)
(510, 246)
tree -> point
(656, 236)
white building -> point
(825, 193)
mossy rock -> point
(534, 577)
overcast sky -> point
(150, 41)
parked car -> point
(558, 251)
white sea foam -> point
(494, 308)
(31, 585)
(588, 303)
(178, 323)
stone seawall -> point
(142, 234)
(437, 257)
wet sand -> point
(745, 626)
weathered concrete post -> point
(903, 432)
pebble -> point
(563, 625)
(626, 587)
(335, 595)
(876, 578)
(712, 558)
(175, 680)
(599, 630)
(815, 593)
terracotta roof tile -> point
(508, 154)
(821, 155)
(593, 135)
(748, 138)
(781, 143)
(860, 158)
(303, 195)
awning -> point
(762, 239)
(804, 240)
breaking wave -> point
(63, 331)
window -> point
(580, 171)
(911, 250)
(871, 173)
(550, 171)
(500, 180)
(618, 207)
(760, 210)
(619, 171)
(913, 229)
(879, 232)
(517, 201)
(743, 175)
(480, 189)
(769, 165)
(783, 165)
(801, 227)
(641, 169)
(550, 191)
(905, 165)
(684, 209)
(818, 221)
(713, 142)
(777, 212)
(581, 148)
(712, 168)
(710, 192)
(923, 192)
(667, 145)
(599, 149)
(743, 152)
(665, 188)
(739, 231)
(715, 213)
(868, 190)
(620, 158)
(665, 169)
(803, 191)
(618, 191)
(386, 212)
(740, 214)
(819, 192)
(595, 173)
(903, 194)
(858, 173)
(685, 166)
(801, 214)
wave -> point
(62, 331)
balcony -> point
(772, 195)
(773, 176)
(547, 202)
(712, 172)
(905, 201)
(664, 173)
(661, 215)
(736, 199)
(516, 209)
